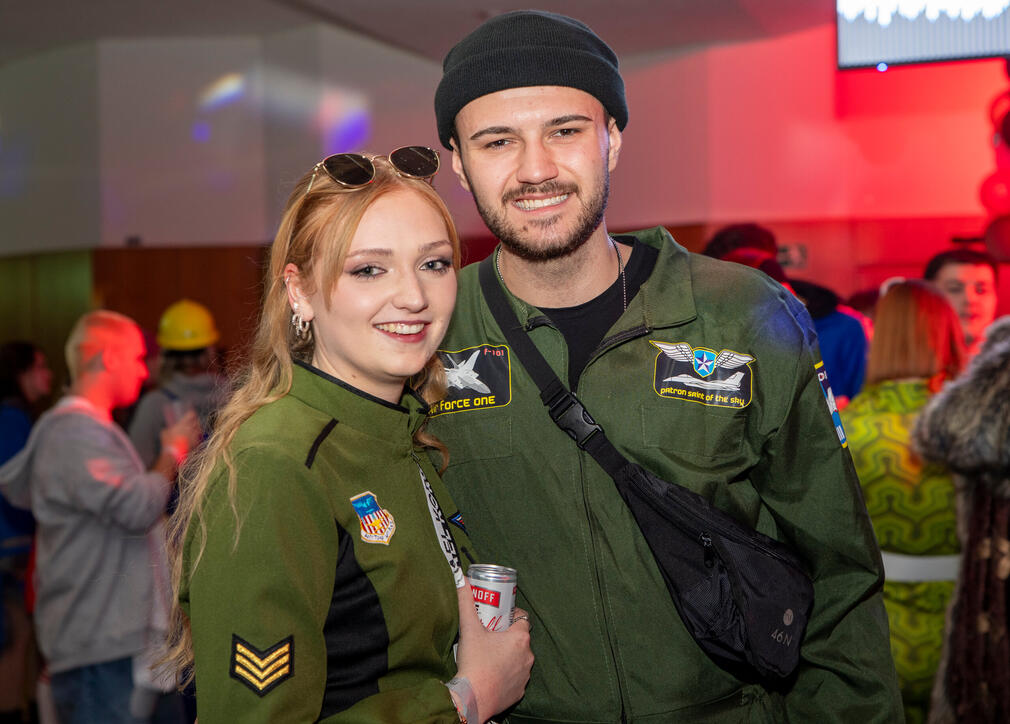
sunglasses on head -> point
(352, 170)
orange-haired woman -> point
(319, 575)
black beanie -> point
(528, 48)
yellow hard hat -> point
(186, 325)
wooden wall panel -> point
(142, 282)
(41, 296)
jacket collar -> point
(666, 299)
(353, 407)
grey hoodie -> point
(100, 556)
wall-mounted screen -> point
(871, 32)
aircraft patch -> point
(377, 524)
(829, 396)
(702, 375)
(477, 378)
(262, 671)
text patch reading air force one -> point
(477, 378)
(702, 375)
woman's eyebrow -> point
(378, 251)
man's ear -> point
(297, 299)
(457, 166)
(615, 144)
(108, 359)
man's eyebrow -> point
(562, 120)
(492, 131)
(553, 123)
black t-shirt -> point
(585, 325)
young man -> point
(968, 279)
(101, 576)
(532, 106)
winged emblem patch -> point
(702, 375)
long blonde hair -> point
(315, 233)
(916, 333)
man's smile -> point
(534, 204)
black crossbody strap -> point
(564, 407)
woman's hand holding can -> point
(497, 663)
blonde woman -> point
(319, 558)
(916, 348)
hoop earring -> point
(299, 323)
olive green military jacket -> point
(710, 379)
(337, 604)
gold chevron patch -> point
(262, 670)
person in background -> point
(916, 349)
(101, 576)
(966, 427)
(533, 107)
(762, 260)
(25, 386)
(741, 236)
(186, 377)
(841, 331)
(968, 279)
(318, 575)
(842, 338)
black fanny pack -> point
(744, 597)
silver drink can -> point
(494, 594)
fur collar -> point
(967, 425)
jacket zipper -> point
(599, 586)
(545, 321)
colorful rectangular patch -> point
(701, 375)
(262, 670)
(477, 377)
(377, 524)
(829, 397)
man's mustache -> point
(550, 188)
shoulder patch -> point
(702, 375)
(477, 377)
(262, 670)
(829, 397)
(377, 524)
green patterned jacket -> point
(912, 507)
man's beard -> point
(589, 218)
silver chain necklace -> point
(620, 271)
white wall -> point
(101, 143)
(173, 169)
(400, 89)
(49, 178)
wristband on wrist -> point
(467, 709)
